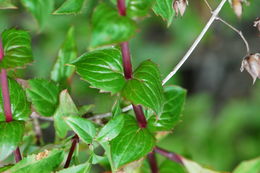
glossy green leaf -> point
(70, 7)
(193, 167)
(19, 105)
(82, 168)
(111, 129)
(40, 9)
(116, 109)
(251, 166)
(172, 167)
(131, 144)
(137, 8)
(164, 8)
(172, 109)
(84, 128)
(5, 168)
(10, 136)
(44, 96)
(68, 52)
(44, 162)
(17, 48)
(65, 109)
(102, 69)
(145, 88)
(109, 27)
(7, 4)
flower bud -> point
(252, 65)
(180, 7)
(257, 23)
(237, 7)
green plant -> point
(129, 136)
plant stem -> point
(6, 100)
(126, 60)
(139, 113)
(128, 67)
(121, 7)
(196, 42)
(170, 155)
(17, 155)
(75, 141)
(152, 162)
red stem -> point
(121, 7)
(128, 67)
(139, 113)
(170, 155)
(153, 163)
(6, 100)
(126, 60)
(75, 141)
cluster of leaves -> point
(121, 138)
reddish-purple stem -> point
(170, 155)
(17, 155)
(152, 162)
(139, 113)
(126, 60)
(75, 141)
(6, 100)
(121, 7)
(128, 67)
(5, 90)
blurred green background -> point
(221, 120)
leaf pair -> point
(103, 70)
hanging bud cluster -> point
(237, 6)
(180, 7)
(252, 65)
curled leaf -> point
(180, 7)
(252, 65)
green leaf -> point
(82, 168)
(70, 7)
(17, 48)
(84, 128)
(7, 4)
(5, 168)
(65, 109)
(44, 96)
(251, 166)
(131, 144)
(40, 9)
(46, 162)
(164, 8)
(137, 8)
(193, 167)
(102, 69)
(68, 52)
(111, 129)
(85, 109)
(109, 27)
(19, 105)
(10, 136)
(172, 167)
(145, 87)
(173, 106)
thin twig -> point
(207, 3)
(237, 31)
(37, 129)
(196, 42)
(75, 141)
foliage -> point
(117, 141)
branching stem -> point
(128, 67)
(6, 100)
(196, 42)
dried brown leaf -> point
(252, 65)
